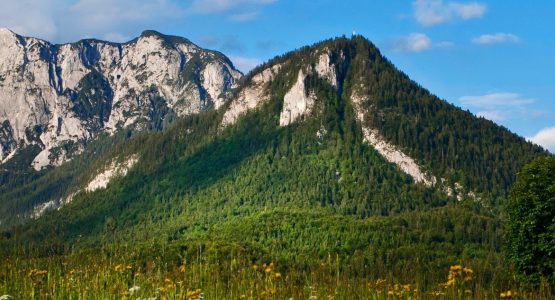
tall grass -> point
(127, 272)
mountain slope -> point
(327, 150)
(54, 99)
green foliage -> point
(291, 195)
(94, 101)
(531, 222)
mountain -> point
(55, 99)
(326, 150)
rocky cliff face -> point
(58, 97)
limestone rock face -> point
(60, 96)
(296, 102)
(251, 95)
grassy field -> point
(125, 272)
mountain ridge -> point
(332, 81)
(171, 74)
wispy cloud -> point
(499, 106)
(244, 17)
(496, 38)
(212, 6)
(30, 18)
(494, 100)
(116, 37)
(232, 44)
(245, 64)
(545, 138)
(434, 12)
(415, 42)
(84, 18)
(493, 115)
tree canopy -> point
(531, 228)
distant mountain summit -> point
(54, 99)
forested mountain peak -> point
(431, 140)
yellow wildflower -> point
(506, 295)
(456, 268)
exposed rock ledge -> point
(115, 169)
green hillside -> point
(258, 192)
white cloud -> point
(499, 106)
(434, 12)
(545, 138)
(245, 64)
(416, 42)
(496, 38)
(496, 100)
(244, 17)
(212, 6)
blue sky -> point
(494, 58)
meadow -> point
(168, 272)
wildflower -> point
(124, 297)
(456, 268)
(255, 267)
(506, 295)
(380, 282)
(277, 275)
(182, 269)
(194, 294)
(133, 289)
